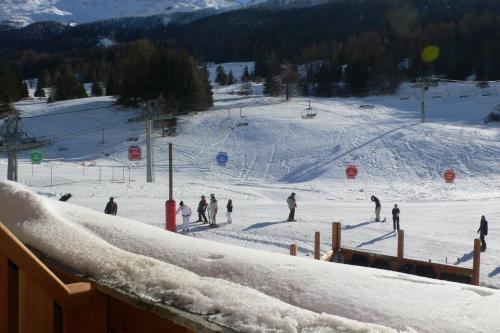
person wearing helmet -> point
(292, 205)
(483, 231)
(395, 218)
(111, 207)
(186, 214)
(212, 210)
(378, 207)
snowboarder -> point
(202, 208)
(395, 218)
(186, 214)
(111, 207)
(483, 231)
(292, 205)
(212, 210)
(65, 197)
(377, 208)
(229, 211)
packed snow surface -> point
(399, 160)
(247, 289)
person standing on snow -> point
(395, 218)
(202, 208)
(377, 208)
(186, 214)
(229, 211)
(212, 210)
(483, 231)
(111, 207)
(292, 205)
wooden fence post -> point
(476, 262)
(293, 249)
(317, 245)
(401, 244)
(336, 236)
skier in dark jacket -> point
(292, 205)
(229, 211)
(483, 231)
(111, 207)
(377, 208)
(395, 218)
(202, 208)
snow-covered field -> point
(399, 160)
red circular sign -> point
(449, 176)
(134, 153)
(351, 171)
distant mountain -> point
(24, 12)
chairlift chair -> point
(309, 113)
(243, 122)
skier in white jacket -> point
(186, 214)
(212, 210)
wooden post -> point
(476, 262)
(293, 249)
(337, 236)
(317, 245)
(401, 244)
(4, 293)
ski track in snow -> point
(399, 160)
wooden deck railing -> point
(35, 300)
(339, 254)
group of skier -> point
(483, 227)
(204, 206)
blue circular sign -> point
(222, 158)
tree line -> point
(342, 47)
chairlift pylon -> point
(309, 113)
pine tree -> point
(112, 86)
(24, 92)
(246, 88)
(40, 92)
(67, 87)
(246, 75)
(272, 82)
(324, 80)
(97, 88)
(221, 76)
(290, 80)
(230, 78)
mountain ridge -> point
(21, 13)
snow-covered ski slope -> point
(249, 290)
(399, 160)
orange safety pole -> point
(317, 245)
(476, 262)
(293, 249)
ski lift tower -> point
(12, 140)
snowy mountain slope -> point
(28, 11)
(399, 160)
(252, 291)
(23, 12)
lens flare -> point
(430, 53)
